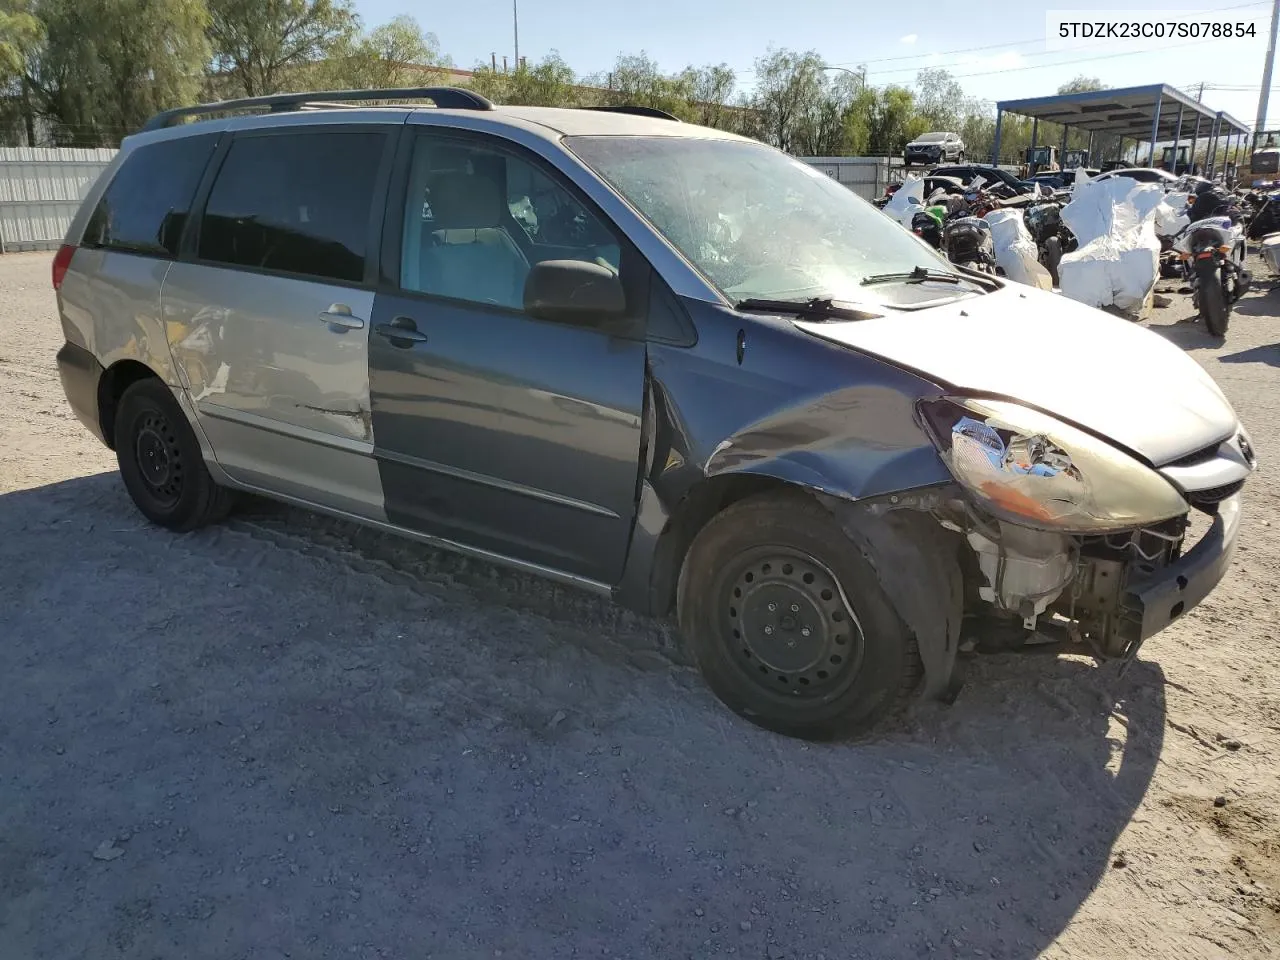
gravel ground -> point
(286, 737)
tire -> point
(745, 575)
(1212, 300)
(1052, 257)
(960, 157)
(160, 460)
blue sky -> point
(894, 45)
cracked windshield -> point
(760, 225)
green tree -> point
(108, 65)
(802, 108)
(395, 54)
(710, 90)
(939, 100)
(548, 83)
(261, 44)
(636, 80)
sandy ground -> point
(286, 737)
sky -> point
(996, 52)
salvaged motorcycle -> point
(1212, 252)
(1052, 237)
(967, 242)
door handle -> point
(339, 315)
(402, 332)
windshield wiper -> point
(814, 307)
(918, 275)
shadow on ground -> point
(280, 744)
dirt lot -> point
(286, 737)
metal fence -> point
(865, 176)
(40, 191)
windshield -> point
(930, 137)
(757, 223)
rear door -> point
(502, 432)
(268, 314)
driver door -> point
(508, 434)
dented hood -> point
(1101, 372)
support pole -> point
(515, 27)
(1155, 132)
(995, 146)
(1195, 137)
(1266, 71)
(1177, 136)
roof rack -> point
(447, 98)
(638, 111)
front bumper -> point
(914, 157)
(1153, 602)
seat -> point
(466, 251)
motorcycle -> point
(1212, 252)
(927, 225)
(1052, 237)
(967, 242)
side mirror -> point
(574, 291)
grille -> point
(1215, 495)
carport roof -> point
(1127, 112)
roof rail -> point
(448, 98)
(638, 111)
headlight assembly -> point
(1034, 470)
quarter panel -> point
(110, 304)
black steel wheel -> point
(788, 622)
(797, 633)
(160, 460)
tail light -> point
(61, 261)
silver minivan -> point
(653, 360)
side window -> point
(297, 203)
(477, 218)
(146, 205)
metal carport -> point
(1151, 115)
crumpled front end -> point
(1110, 589)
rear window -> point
(147, 202)
(297, 203)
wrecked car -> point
(693, 374)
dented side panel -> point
(281, 394)
(795, 409)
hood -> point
(1096, 370)
(919, 144)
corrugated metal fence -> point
(865, 176)
(40, 191)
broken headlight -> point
(1034, 470)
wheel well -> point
(693, 512)
(118, 378)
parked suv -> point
(930, 148)
(659, 362)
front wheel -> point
(1211, 298)
(160, 460)
(788, 622)
(1052, 257)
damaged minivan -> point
(653, 360)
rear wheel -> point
(788, 622)
(160, 460)
(1211, 298)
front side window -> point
(145, 207)
(477, 218)
(297, 203)
(757, 223)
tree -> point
(258, 42)
(20, 34)
(1081, 84)
(395, 54)
(710, 90)
(636, 80)
(108, 65)
(801, 108)
(548, 83)
(939, 100)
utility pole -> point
(515, 25)
(1266, 73)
